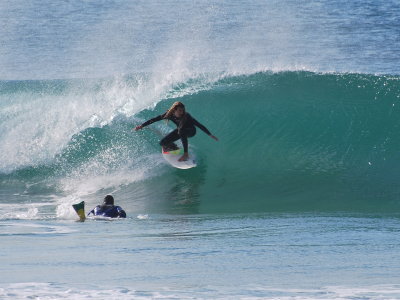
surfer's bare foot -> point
(184, 157)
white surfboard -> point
(172, 158)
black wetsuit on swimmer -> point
(185, 130)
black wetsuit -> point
(186, 129)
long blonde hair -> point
(172, 109)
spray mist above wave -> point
(39, 118)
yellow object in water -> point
(80, 210)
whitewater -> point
(299, 198)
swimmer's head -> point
(108, 200)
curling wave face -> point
(289, 141)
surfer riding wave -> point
(186, 128)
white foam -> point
(143, 217)
(95, 177)
(18, 228)
(38, 126)
(58, 291)
(23, 211)
(61, 291)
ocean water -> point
(298, 199)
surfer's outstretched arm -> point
(204, 128)
(151, 121)
(214, 137)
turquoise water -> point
(289, 142)
(299, 198)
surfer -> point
(108, 209)
(186, 128)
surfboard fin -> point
(80, 210)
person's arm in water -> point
(151, 121)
